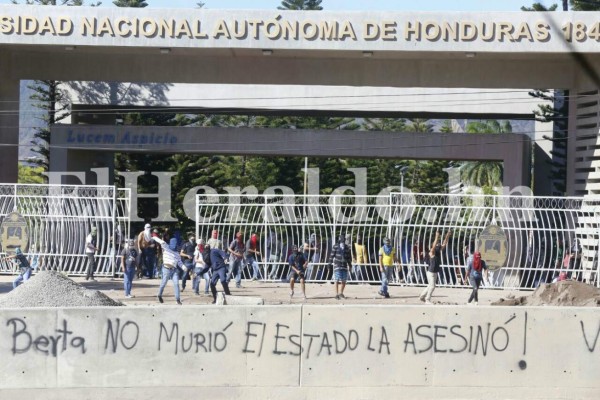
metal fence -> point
(59, 217)
(544, 236)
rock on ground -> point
(564, 293)
(52, 289)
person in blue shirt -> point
(297, 264)
(129, 257)
(475, 269)
(24, 267)
(218, 266)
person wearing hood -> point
(387, 260)
(187, 255)
(218, 266)
(341, 261)
(200, 253)
(251, 254)
(147, 250)
(129, 257)
(91, 243)
(170, 269)
(236, 250)
(24, 267)
(435, 265)
(297, 264)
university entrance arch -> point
(427, 50)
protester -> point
(200, 262)
(475, 269)
(218, 262)
(170, 269)
(360, 259)
(147, 250)
(24, 267)
(435, 266)
(129, 257)
(236, 250)
(297, 264)
(90, 251)
(214, 242)
(187, 256)
(311, 254)
(251, 254)
(387, 259)
(341, 261)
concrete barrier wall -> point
(310, 351)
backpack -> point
(206, 256)
(477, 263)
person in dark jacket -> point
(218, 266)
(24, 267)
(341, 261)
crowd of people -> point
(162, 255)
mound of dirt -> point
(52, 289)
(564, 293)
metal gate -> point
(59, 217)
(540, 233)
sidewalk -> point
(145, 291)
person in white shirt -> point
(170, 269)
(91, 241)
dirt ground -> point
(145, 291)
(566, 293)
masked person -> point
(251, 254)
(476, 267)
(187, 256)
(218, 266)
(147, 250)
(170, 269)
(91, 242)
(297, 264)
(236, 257)
(387, 259)
(360, 259)
(129, 257)
(341, 261)
(201, 256)
(23, 265)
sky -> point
(336, 5)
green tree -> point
(585, 5)
(420, 125)
(301, 5)
(130, 3)
(540, 7)
(50, 97)
(485, 174)
(29, 174)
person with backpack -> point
(201, 266)
(475, 269)
(187, 256)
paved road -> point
(145, 291)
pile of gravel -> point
(563, 293)
(52, 289)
